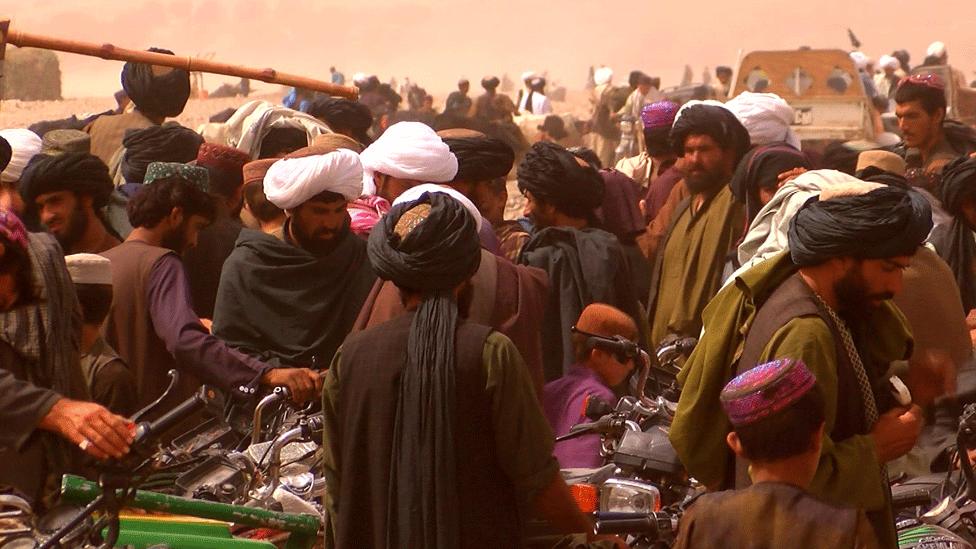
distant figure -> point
(724, 86)
(552, 129)
(458, 103)
(535, 101)
(937, 55)
(338, 78)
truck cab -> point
(823, 87)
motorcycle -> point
(263, 473)
(940, 510)
(643, 487)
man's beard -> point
(74, 229)
(176, 239)
(322, 241)
(704, 181)
(853, 300)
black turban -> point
(481, 158)
(886, 222)
(428, 245)
(553, 174)
(489, 83)
(166, 143)
(5, 153)
(760, 169)
(79, 172)
(716, 122)
(163, 95)
(343, 114)
(958, 183)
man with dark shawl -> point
(827, 302)
(156, 92)
(585, 264)
(458, 446)
(67, 193)
(958, 245)
(204, 261)
(707, 225)
(510, 298)
(291, 297)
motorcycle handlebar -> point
(148, 430)
(631, 523)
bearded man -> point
(68, 192)
(152, 324)
(707, 225)
(827, 302)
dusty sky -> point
(437, 41)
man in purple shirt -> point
(152, 325)
(595, 375)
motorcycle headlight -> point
(627, 496)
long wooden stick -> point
(190, 64)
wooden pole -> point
(189, 64)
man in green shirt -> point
(826, 302)
(707, 225)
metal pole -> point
(190, 64)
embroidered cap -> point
(196, 175)
(765, 390)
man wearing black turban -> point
(169, 142)
(444, 408)
(958, 246)
(826, 302)
(67, 193)
(350, 118)
(156, 92)
(705, 227)
(507, 297)
(563, 192)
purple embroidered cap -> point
(765, 390)
(659, 115)
(13, 229)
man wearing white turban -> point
(406, 155)
(887, 80)
(24, 145)
(606, 132)
(766, 116)
(290, 297)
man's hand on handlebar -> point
(91, 427)
(304, 384)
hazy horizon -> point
(437, 42)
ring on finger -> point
(85, 444)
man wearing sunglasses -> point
(600, 368)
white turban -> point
(292, 181)
(413, 193)
(766, 116)
(888, 62)
(528, 75)
(603, 75)
(24, 145)
(936, 49)
(860, 60)
(408, 150)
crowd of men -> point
(360, 256)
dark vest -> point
(372, 362)
(129, 329)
